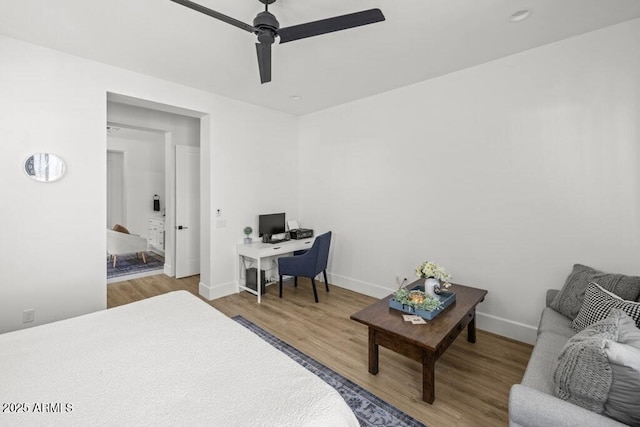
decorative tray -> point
(446, 298)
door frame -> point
(204, 287)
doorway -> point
(177, 127)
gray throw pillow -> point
(597, 305)
(623, 403)
(599, 368)
(582, 374)
(569, 300)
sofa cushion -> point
(597, 305)
(539, 373)
(569, 300)
(599, 368)
(552, 321)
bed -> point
(166, 360)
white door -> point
(116, 213)
(187, 211)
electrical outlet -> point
(28, 315)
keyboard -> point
(274, 242)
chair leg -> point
(115, 259)
(280, 286)
(144, 259)
(315, 292)
(326, 282)
(295, 281)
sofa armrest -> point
(530, 407)
(551, 294)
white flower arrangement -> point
(430, 270)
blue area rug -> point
(133, 264)
(369, 410)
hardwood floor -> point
(472, 380)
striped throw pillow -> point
(597, 305)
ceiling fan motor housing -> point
(267, 24)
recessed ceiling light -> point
(520, 15)
(295, 97)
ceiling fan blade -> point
(212, 13)
(330, 25)
(264, 61)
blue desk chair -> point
(309, 264)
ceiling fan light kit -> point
(266, 27)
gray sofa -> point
(532, 403)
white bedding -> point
(167, 360)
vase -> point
(430, 286)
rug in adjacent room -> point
(369, 409)
(132, 264)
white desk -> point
(258, 250)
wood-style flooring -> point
(472, 380)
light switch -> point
(221, 223)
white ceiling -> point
(420, 39)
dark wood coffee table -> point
(424, 343)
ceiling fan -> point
(267, 27)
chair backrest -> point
(123, 243)
(323, 242)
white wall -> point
(506, 173)
(144, 171)
(52, 256)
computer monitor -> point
(271, 224)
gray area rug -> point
(369, 410)
(133, 264)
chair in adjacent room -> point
(121, 242)
(308, 264)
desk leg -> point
(259, 281)
(428, 376)
(373, 352)
(240, 260)
(471, 328)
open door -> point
(187, 211)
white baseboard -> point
(506, 328)
(217, 291)
(358, 286)
(487, 322)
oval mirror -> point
(44, 167)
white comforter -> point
(168, 360)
